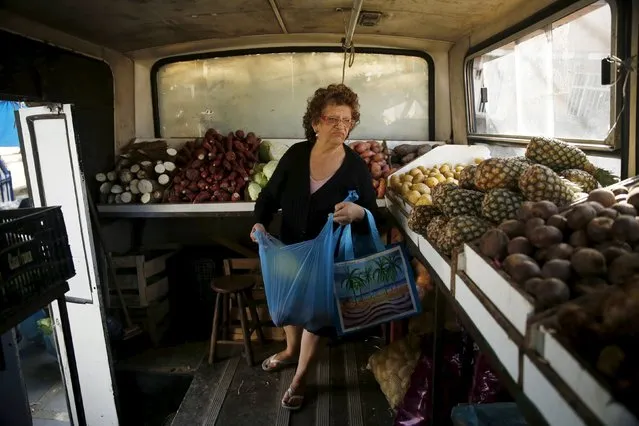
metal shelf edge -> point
(182, 210)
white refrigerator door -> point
(55, 178)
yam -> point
(405, 149)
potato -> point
(423, 169)
(395, 182)
(422, 188)
(407, 178)
(431, 182)
(415, 171)
(419, 178)
(406, 188)
(413, 197)
(424, 200)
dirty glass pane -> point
(549, 82)
(267, 94)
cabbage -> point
(254, 190)
(260, 179)
(270, 151)
(270, 168)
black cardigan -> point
(304, 215)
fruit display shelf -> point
(240, 208)
(479, 318)
(509, 298)
(439, 263)
(562, 357)
(497, 315)
(452, 154)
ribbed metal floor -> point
(340, 392)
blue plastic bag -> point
(298, 278)
(374, 284)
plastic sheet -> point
(415, 408)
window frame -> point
(295, 49)
(540, 20)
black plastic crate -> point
(34, 255)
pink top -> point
(317, 184)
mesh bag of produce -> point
(298, 278)
(392, 367)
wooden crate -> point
(142, 278)
(154, 318)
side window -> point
(267, 93)
(547, 82)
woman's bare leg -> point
(308, 351)
(293, 341)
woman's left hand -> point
(348, 212)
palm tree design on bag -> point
(385, 272)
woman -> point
(310, 181)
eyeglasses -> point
(335, 121)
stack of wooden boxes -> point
(144, 283)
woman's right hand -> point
(257, 227)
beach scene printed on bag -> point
(374, 289)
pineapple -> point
(439, 192)
(435, 228)
(560, 155)
(459, 202)
(500, 205)
(499, 173)
(462, 229)
(420, 217)
(541, 183)
(467, 177)
(585, 180)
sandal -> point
(294, 401)
(273, 364)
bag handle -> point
(346, 249)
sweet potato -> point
(376, 148)
(381, 189)
(375, 183)
(202, 197)
(192, 174)
(362, 147)
(366, 154)
(376, 170)
(378, 157)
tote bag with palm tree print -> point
(374, 288)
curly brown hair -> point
(334, 94)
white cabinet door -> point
(55, 178)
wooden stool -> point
(228, 288)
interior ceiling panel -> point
(127, 25)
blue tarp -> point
(8, 130)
